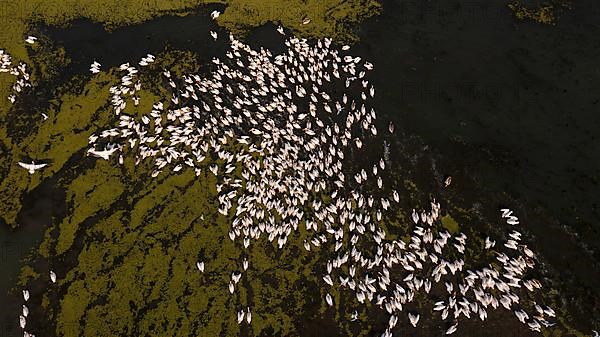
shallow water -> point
(507, 104)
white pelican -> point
(447, 181)
(31, 168)
(52, 276)
(329, 300)
(104, 154)
(414, 319)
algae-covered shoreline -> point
(139, 240)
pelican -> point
(31, 39)
(329, 300)
(414, 319)
(31, 168)
(240, 316)
(214, 35)
(200, 266)
(447, 181)
(452, 329)
(52, 276)
(25, 311)
(22, 321)
(104, 154)
(305, 21)
(26, 295)
(214, 14)
(248, 315)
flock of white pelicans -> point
(275, 131)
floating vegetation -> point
(542, 13)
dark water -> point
(509, 105)
(512, 105)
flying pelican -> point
(104, 154)
(31, 168)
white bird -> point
(248, 315)
(214, 35)
(52, 276)
(25, 310)
(200, 266)
(104, 154)
(214, 14)
(414, 319)
(22, 321)
(26, 295)
(31, 168)
(452, 329)
(31, 39)
(240, 316)
(329, 300)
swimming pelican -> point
(447, 181)
(26, 295)
(52, 276)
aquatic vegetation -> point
(546, 13)
(449, 223)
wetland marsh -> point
(124, 244)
